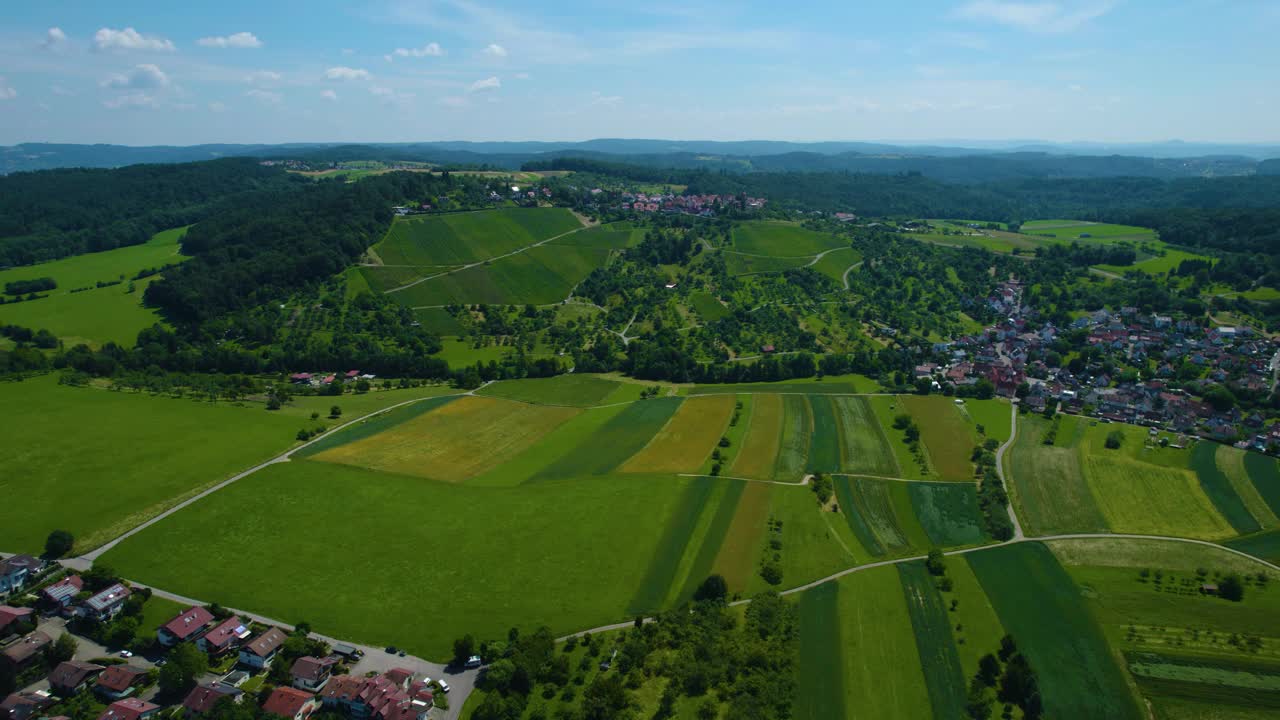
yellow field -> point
(947, 435)
(736, 561)
(455, 442)
(1151, 500)
(688, 437)
(759, 451)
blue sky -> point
(146, 72)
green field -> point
(97, 315)
(707, 306)
(835, 385)
(848, 503)
(821, 694)
(572, 390)
(1049, 485)
(610, 444)
(1156, 264)
(1152, 500)
(1071, 230)
(687, 439)
(797, 434)
(542, 275)
(136, 456)
(1040, 606)
(613, 236)
(825, 447)
(439, 321)
(463, 238)
(867, 449)
(993, 415)
(739, 264)
(947, 435)
(782, 240)
(835, 263)
(759, 452)
(482, 559)
(1220, 490)
(948, 513)
(1265, 473)
(931, 625)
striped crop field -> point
(652, 593)
(797, 431)
(688, 437)
(826, 449)
(611, 443)
(821, 691)
(882, 669)
(849, 507)
(759, 452)
(1233, 463)
(740, 549)
(948, 513)
(931, 625)
(1220, 490)
(946, 433)
(1049, 485)
(866, 449)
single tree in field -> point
(1231, 588)
(58, 543)
(335, 411)
(936, 564)
(714, 588)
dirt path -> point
(845, 277)
(1013, 434)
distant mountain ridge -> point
(1013, 160)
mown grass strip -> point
(931, 625)
(1265, 474)
(653, 590)
(797, 430)
(714, 539)
(875, 502)
(1039, 605)
(824, 451)
(948, 513)
(821, 692)
(1204, 461)
(736, 561)
(374, 425)
(852, 516)
(619, 438)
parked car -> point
(391, 650)
(444, 686)
(473, 662)
(126, 654)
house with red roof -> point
(60, 595)
(187, 625)
(119, 681)
(260, 651)
(224, 636)
(311, 673)
(12, 617)
(72, 676)
(203, 697)
(24, 705)
(292, 703)
(129, 709)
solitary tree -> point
(1231, 588)
(936, 563)
(713, 588)
(335, 411)
(58, 543)
(463, 648)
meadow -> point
(707, 306)
(472, 558)
(573, 390)
(867, 448)
(931, 624)
(541, 275)
(820, 694)
(1039, 605)
(1151, 500)
(832, 384)
(97, 315)
(1049, 486)
(687, 439)
(138, 456)
(835, 263)
(948, 436)
(740, 264)
(614, 236)
(1072, 230)
(782, 240)
(759, 450)
(463, 238)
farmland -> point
(571, 390)
(781, 240)
(463, 238)
(539, 275)
(835, 263)
(687, 439)
(821, 694)
(931, 626)
(743, 264)
(1146, 499)
(866, 447)
(758, 453)
(98, 314)
(947, 435)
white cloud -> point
(495, 50)
(262, 77)
(489, 83)
(59, 90)
(428, 50)
(6, 92)
(1038, 17)
(54, 39)
(129, 39)
(131, 100)
(217, 107)
(141, 77)
(237, 40)
(346, 73)
(328, 95)
(266, 96)
(598, 98)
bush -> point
(714, 588)
(58, 543)
(1115, 439)
(1231, 588)
(771, 573)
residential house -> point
(202, 699)
(61, 594)
(129, 709)
(17, 571)
(287, 702)
(260, 651)
(119, 681)
(400, 676)
(25, 705)
(72, 676)
(12, 617)
(107, 603)
(311, 673)
(224, 636)
(188, 625)
(25, 651)
(361, 698)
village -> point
(1099, 367)
(64, 656)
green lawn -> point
(97, 315)
(472, 559)
(835, 263)
(97, 462)
(1041, 607)
(707, 306)
(463, 353)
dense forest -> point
(57, 213)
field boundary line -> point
(900, 479)
(802, 483)
(83, 562)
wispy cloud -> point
(428, 50)
(262, 77)
(141, 77)
(236, 40)
(6, 90)
(217, 107)
(54, 39)
(329, 95)
(489, 83)
(266, 96)
(346, 73)
(1038, 17)
(131, 100)
(107, 39)
(495, 50)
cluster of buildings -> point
(1011, 353)
(126, 688)
(321, 379)
(705, 205)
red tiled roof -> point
(286, 701)
(225, 632)
(13, 614)
(127, 709)
(188, 622)
(267, 642)
(71, 674)
(203, 697)
(119, 678)
(310, 668)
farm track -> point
(1013, 434)
(460, 268)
